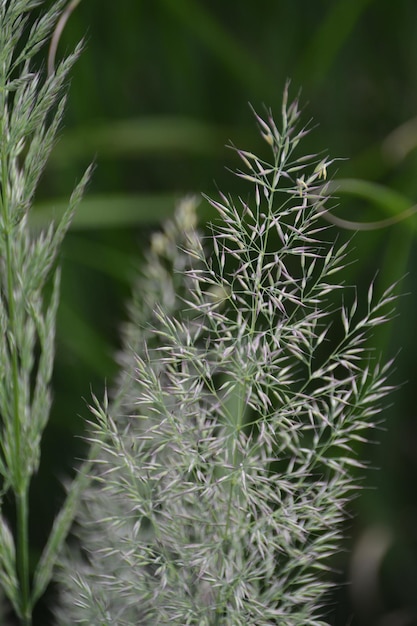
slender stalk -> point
(22, 545)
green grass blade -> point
(328, 40)
(133, 137)
(222, 44)
(113, 210)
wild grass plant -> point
(31, 108)
(221, 466)
(223, 461)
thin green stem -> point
(20, 480)
(13, 356)
(23, 556)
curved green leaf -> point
(391, 204)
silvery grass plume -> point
(31, 107)
(224, 462)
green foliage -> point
(221, 469)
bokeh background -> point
(160, 88)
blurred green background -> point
(160, 89)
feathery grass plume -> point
(31, 107)
(224, 462)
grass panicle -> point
(226, 456)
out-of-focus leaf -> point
(137, 137)
(84, 343)
(400, 142)
(390, 203)
(222, 44)
(98, 256)
(113, 210)
(321, 53)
